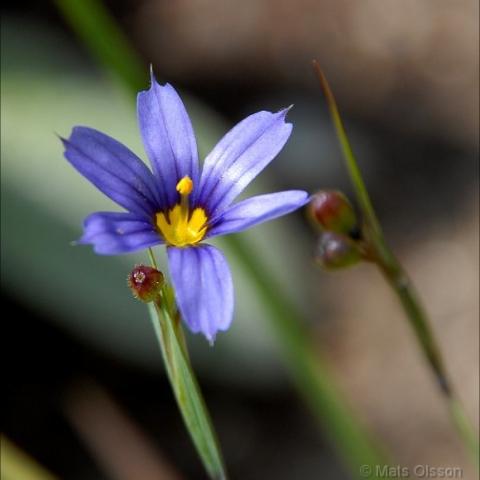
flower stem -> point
(169, 332)
(151, 256)
(398, 279)
(353, 169)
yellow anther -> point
(185, 186)
(179, 230)
(182, 226)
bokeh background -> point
(86, 394)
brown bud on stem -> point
(336, 251)
(332, 211)
(145, 283)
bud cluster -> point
(338, 244)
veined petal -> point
(111, 233)
(113, 169)
(168, 137)
(240, 156)
(258, 209)
(203, 288)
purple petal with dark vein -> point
(168, 137)
(259, 209)
(112, 233)
(240, 156)
(113, 169)
(203, 287)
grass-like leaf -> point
(184, 384)
(399, 280)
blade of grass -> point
(185, 386)
(398, 279)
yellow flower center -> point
(179, 226)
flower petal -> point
(113, 169)
(203, 288)
(168, 137)
(111, 233)
(259, 209)
(240, 156)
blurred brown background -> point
(405, 74)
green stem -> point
(353, 169)
(403, 287)
(398, 279)
(192, 406)
(463, 425)
(152, 259)
(187, 392)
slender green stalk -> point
(169, 332)
(398, 279)
(152, 259)
(308, 370)
(353, 169)
(403, 287)
(464, 426)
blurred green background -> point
(406, 78)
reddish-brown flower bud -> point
(145, 283)
(337, 251)
(332, 210)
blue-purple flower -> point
(178, 205)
